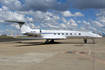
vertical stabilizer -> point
(23, 26)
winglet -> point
(14, 36)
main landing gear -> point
(51, 41)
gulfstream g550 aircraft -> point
(51, 35)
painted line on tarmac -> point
(94, 49)
(92, 58)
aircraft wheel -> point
(52, 41)
(47, 41)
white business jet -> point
(51, 35)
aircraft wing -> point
(38, 38)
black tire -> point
(52, 41)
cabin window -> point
(58, 33)
(66, 33)
(79, 33)
(62, 33)
(54, 33)
(70, 33)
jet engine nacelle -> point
(35, 32)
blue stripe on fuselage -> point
(24, 33)
(47, 33)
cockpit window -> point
(94, 32)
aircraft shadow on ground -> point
(41, 43)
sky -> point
(80, 15)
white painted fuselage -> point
(63, 34)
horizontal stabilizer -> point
(15, 21)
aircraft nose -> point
(99, 36)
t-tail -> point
(23, 26)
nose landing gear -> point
(85, 41)
(93, 41)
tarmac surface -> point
(70, 54)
